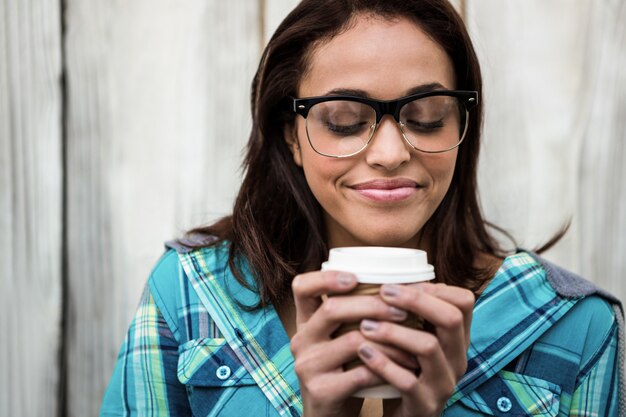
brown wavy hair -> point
(277, 224)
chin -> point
(392, 239)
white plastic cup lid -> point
(381, 265)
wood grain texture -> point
(542, 64)
(274, 13)
(31, 196)
(159, 113)
(527, 56)
(602, 157)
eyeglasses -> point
(342, 126)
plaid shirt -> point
(191, 350)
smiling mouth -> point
(387, 190)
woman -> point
(366, 125)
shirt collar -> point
(516, 308)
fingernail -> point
(396, 313)
(345, 279)
(367, 352)
(391, 290)
(369, 325)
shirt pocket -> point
(216, 381)
(509, 394)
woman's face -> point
(385, 194)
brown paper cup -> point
(373, 267)
(413, 321)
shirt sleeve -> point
(145, 380)
(596, 393)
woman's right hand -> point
(325, 387)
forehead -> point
(383, 57)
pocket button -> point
(504, 404)
(223, 372)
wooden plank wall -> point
(31, 198)
(555, 127)
(156, 115)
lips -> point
(387, 190)
(383, 184)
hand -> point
(442, 355)
(326, 388)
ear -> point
(291, 137)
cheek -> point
(441, 168)
(324, 176)
(322, 173)
(319, 170)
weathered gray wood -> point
(159, 113)
(274, 12)
(548, 67)
(602, 158)
(30, 206)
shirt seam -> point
(161, 306)
(595, 358)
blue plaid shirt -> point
(191, 350)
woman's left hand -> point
(442, 354)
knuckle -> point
(454, 319)
(361, 377)
(354, 339)
(299, 366)
(431, 408)
(295, 344)
(329, 306)
(407, 384)
(297, 284)
(320, 391)
(316, 391)
(430, 345)
(467, 299)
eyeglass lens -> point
(342, 127)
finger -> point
(450, 321)
(342, 384)
(435, 378)
(399, 356)
(337, 310)
(308, 288)
(335, 354)
(415, 342)
(462, 298)
(325, 356)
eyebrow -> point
(424, 88)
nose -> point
(388, 148)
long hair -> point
(277, 224)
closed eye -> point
(423, 127)
(345, 130)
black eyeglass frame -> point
(469, 99)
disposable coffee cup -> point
(373, 267)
